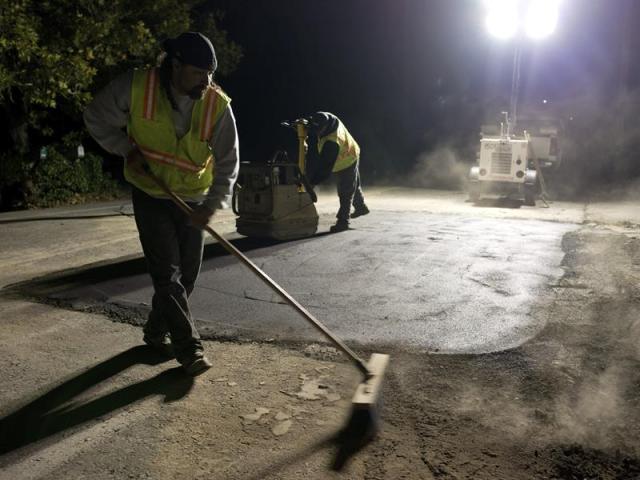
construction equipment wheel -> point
(474, 192)
(530, 195)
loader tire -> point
(474, 192)
(529, 196)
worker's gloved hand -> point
(201, 216)
(136, 161)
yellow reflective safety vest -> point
(186, 165)
(348, 148)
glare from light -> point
(502, 18)
(541, 19)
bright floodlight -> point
(542, 18)
(502, 18)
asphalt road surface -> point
(547, 298)
(451, 284)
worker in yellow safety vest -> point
(331, 148)
(176, 122)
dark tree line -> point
(55, 54)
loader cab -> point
(503, 165)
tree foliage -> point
(55, 53)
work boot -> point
(360, 211)
(161, 344)
(197, 364)
(340, 226)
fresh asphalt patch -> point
(425, 282)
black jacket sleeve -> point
(319, 165)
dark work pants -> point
(173, 250)
(349, 191)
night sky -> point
(406, 76)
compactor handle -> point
(234, 199)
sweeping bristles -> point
(369, 389)
(364, 422)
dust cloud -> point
(591, 413)
(598, 140)
(588, 413)
(506, 412)
(441, 168)
(600, 144)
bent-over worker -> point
(331, 148)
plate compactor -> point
(275, 200)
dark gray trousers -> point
(173, 250)
(349, 191)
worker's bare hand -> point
(201, 216)
(136, 161)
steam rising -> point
(440, 168)
(601, 144)
(593, 411)
(589, 413)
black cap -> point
(318, 120)
(192, 48)
(321, 122)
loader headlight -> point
(519, 174)
(537, 18)
(502, 18)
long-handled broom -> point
(363, 420)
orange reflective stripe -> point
(172, 160)
(205, 116)
(209, 111)
(149, 107)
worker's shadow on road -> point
(56, 411)
(135, 266)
